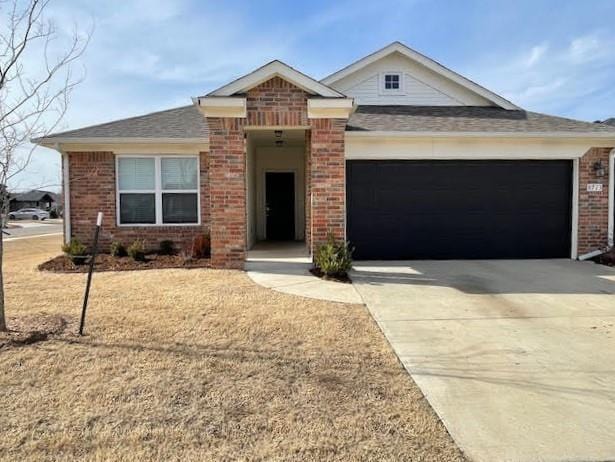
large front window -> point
(158, 190)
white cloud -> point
(536, 54)
(574, 79)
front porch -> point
(276, 163)
(276, 188)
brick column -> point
(227, 187)
(593, 206)
(327, 179)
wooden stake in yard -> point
(90, 271)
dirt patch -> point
(27, 330)
(344, 278)
(607, 258)
(106, 262)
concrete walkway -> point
(516, 357)
(284, 267)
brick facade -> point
(327, 179)
(593, 206)
(274, 103)
(92, 190)
(227, 173)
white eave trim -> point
(330, 108)
(222, 106)
(603, 137)
(426, 62)
(276, 69)
(57, 140)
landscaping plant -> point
(166, 247)
(199, 247)
(333, 259)
(136, 250)
(118, 249)
(76, 251)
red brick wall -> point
(276, 102)
(328, 177)
(227, 174)
(593, 206)
(92, 189)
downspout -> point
(65, 192)
(611, 197)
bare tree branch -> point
(36, 81)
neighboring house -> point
(395, 152)
(610, 121)
(44, 200)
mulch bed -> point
(27, 330)
(106, 262)
(607, 258)
(344, 278)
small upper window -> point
(391, 82)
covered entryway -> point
(445, 209)
(275, 183)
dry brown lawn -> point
(202, 365)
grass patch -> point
(201, 365)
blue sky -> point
(556, 57)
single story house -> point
(395, 152)
(36, 198)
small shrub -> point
(136, 250)
(118, 249)
(76, 251)
(333, 259)
(199, 247)
(166, 247)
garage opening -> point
(447, 209)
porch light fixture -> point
(278, 133)
(598, 168)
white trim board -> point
(276, 69)
(397, 47)
(460, 148)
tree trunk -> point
(2, 317)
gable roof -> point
(398, 47)
(438, 120)
(177, 124)
(279, 69)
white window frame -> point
(157, 191)
(392, 91)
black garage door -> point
(459, 209)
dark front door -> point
(280, 205)
(459, 209)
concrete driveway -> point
(516, 357)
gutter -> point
(424, 134)
(53, 142)
(611, 207)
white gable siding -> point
(421, 86)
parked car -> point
(28, 214)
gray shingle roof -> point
(181, 122)
(464, 119)
(33, 196)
